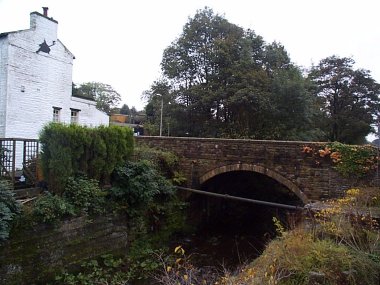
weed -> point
(51, 209)
(106, 270)
(177, 269)
(9, 209)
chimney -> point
(45, 11)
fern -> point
(9, 209)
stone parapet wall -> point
(35, 255)
(283, 161)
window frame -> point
(74, 116)
(57, 114)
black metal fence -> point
(18, 160)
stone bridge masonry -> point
(283, 161)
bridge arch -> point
(258, 169)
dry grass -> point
(341, 248)
(292, 259)
(338, 246)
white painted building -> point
(36, 82)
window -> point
(56, 114)
(74, 116)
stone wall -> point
(283, 161)
(32, 256)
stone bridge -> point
(310, 177)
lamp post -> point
(162, 107)
(378, 149)
(168, 118)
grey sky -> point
(121, 42)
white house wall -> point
(88, 114)
(37, 82)
(33, 83)
(35, 78)
(3, 82)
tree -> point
(349, 99)
(125, 110)
(275, 57)
(158, 94)
(194, 65)
(105, 96)
(294, 110)
(224, 81)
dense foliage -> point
(125, 110)
(349, 99)
(51, 209)
(81, 196)
(137, 183)
(85, 195)
(220, 80)
(108, 270)
(354, 160)
(155, 214)
(71, 149)
(9, 209)
(166, 163)
(348, 160)
(138, 191)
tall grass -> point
(339, 244)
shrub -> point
(85, 195)
(348, 221)
(137, 183)
(165, 162)
(9, 209)
(154, 214)
(71, 149)
(354, 160)
(51, 209)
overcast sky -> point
(121, 42)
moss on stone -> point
(40, 253)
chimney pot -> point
(45, 11)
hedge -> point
(67, 150)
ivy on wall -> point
(349, 160)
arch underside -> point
(259, 169)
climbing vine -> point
(347, 159)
